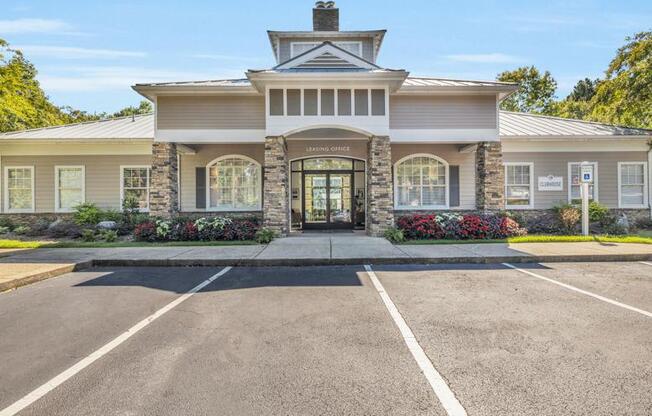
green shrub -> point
(569, 216)
(110, 215)
(88, 236)
(87, 214)
(109, 236)
(22, 230)
(598, 212)
(4, 230)
(265, 236)
(7, 223)
(395, 235)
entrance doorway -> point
(328, 193)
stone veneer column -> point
(489, 177)
(276, 211)
(164, 187)
(380, 190)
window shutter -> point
(200, 188)
(454, 172)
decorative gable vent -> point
(327, 60)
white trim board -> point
(573, 145)
(211, 136)
(443, 135)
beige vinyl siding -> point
(204, 155)
(556, 163)
(451, 154)
(285, 48)
(442, 112)
(102, 177)
(201, 112)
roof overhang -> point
(152, 91)
(377, 35)
(583, 138)
(394, 78)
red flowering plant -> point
(420, 227)
(473, 227)
(145, 231)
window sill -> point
(519, 207)
(422, 208)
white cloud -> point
(116, 78)
(69, 52)
(484, 58)
(33, 26)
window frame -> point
(596, 194)
(6, 189)
(122, 183)
(57, 195)
(399, 207)
(530, 165)
(645, 186)
(259, 187)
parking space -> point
(321, 340)
(509, 343)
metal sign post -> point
(586, 178)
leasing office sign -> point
(551, 183)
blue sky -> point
(88, 53)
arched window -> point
(421, 182)
(234, 184)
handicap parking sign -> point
(587, 173)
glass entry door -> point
(328, 200)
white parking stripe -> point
(437, 383)
(70, 372)
(645, 262)
(582, 291)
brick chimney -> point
(325, 17)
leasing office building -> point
(325, 139)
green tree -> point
(625, 96)
(145, 107)
(536, 91)
(584, 90)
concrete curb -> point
(357, 261)
(14, 284)
(37, 277)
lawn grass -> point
(117, 244)
(637, 239)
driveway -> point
(322, 340)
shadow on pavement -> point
(180, 280)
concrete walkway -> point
(22, 267)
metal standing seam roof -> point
(533, 126)
(126, 128)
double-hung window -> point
(632, 185)
(574, 183)
(68, 187)
(134, 187)
(19, 188)
(519, 184)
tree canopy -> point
(623, 97)
(536, 91)
(24, 104)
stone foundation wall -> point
(276, 183)
(164, 186)
(29, 219)
(380, 191)
(490, 177)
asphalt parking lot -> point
(548, 339)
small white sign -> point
(551, 183)
(586, 173)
